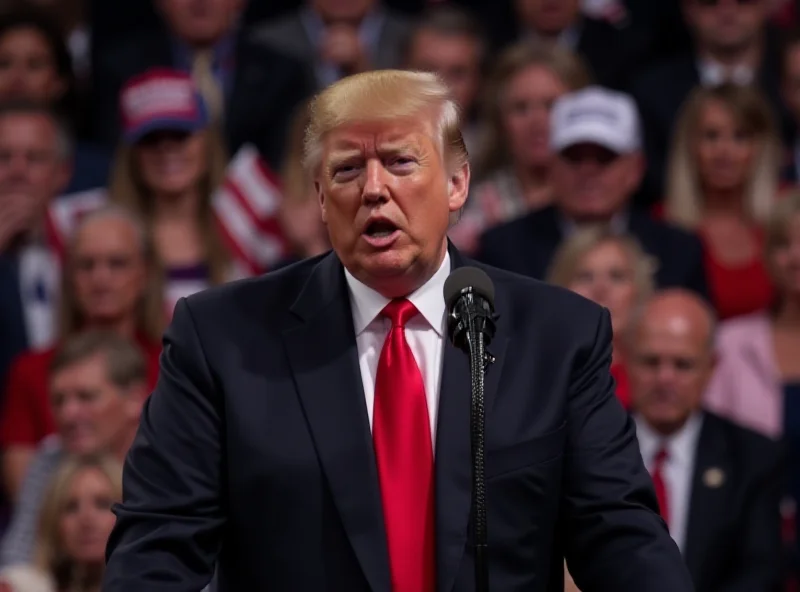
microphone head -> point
(468, 277)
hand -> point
(342, 47)
(17, 215)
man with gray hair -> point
(98, 382)
(34, 169)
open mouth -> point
(381, 233)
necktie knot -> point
(661, 457)
(399, 312)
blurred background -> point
(643, 153)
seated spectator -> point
(34, 169)
(449, 41)
(612, 270)
(791, 98)
(613, 51)
(513, 173)
(35, 66)
(732, 42)
(111, 282)
(597, 168)
(723, 181)
(718, 484)
(97, 388)
(338, 39)
(167, 169)
(251, 89)
(74, 526)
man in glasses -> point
(598, 166)
(731, 43)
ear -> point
(458, 188)
(321, 199)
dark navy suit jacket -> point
(255, 451)
(13, 335)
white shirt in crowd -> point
(678, 469)
(713, 73)
(425, 334)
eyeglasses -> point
(709, 3)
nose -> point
(375, 188)
(665, 374)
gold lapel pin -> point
(714, 477)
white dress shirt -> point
(425, 334)
(713, 73)
(678, 470)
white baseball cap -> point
(596, 115)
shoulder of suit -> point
(512, 230)
(651, 81)
(744, 442)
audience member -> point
(791, 98)
(97, 389)
(613, 50)
(599, 165)
(35, 66)
(74, 526)
(338, 38)
(612, 270)
(449, 41)
(513, 170)
(167, 169)
(718, 484)
(34, 169)
(251, 89)
(112, 282)
(731, 44)
(723, 181)
(73, 18)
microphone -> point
(469, 296)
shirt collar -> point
(680, 446)
(713, 73)
(618, 223)
(367, 304)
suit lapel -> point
(323, 356)
(708, 489)
(453, 447)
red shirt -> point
(27, 417)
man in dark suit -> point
(718, 484)
(732, 43)
(597, 167)
(292, 434)
(252, 90)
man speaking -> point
(310, 429)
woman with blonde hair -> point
(612, 270)
(111, 281)
(513, 173)
(75, 523)
(723, 181)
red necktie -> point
(402, 438)
(658, 483)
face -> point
(548, 17)
(605, 275)
(592, 183)
(172, 163)
(725, 151)
(726, 24)
(785, 259)
(108, 271)
(669, 366)
(87, 520)
(200, 22)
(30, 164)
(342, 10)
(28, 68)
(386, 197)
(791, 81)
(93, 415)
(456, 58)
(526, 115)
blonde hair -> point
(777, 227)
(128, 189)
(572, 251)
(385, 95)
(150, 311)
(49, 556)
(684, 198)
(565, 65)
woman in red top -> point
(613, 271)
(723, 180)
(111, 280)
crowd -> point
(642, 154)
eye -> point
(344, 172)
